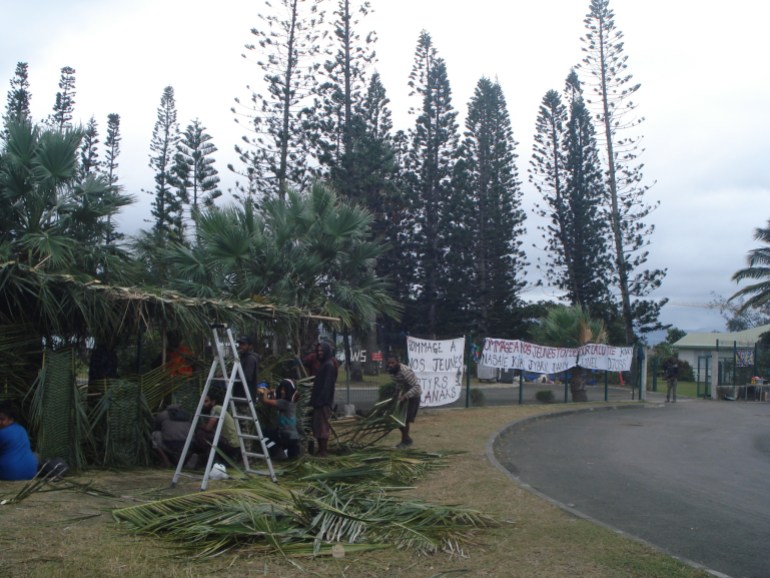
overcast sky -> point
(702, 65)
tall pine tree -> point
(198, 178)
(276, 155)
(64, 106)
(490, 227)
(18, 100)
(565, 170)
(606, 65)
(110, 168)
(167, 206)
(341, 96)
(428, 169)
(89, 149)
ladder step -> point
(245, 436)
(255, 455)
(239, 416)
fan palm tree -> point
(757, 294)
(571, 327)
(309, 251)
(52, 221)
(50, 217)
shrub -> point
(477, 397)
(544, 396)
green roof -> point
(709, 340)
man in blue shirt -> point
(17, 462)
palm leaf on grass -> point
(367, 431)
(304, 518)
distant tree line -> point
(420, 230)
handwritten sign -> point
(438, 366)
(516, 354)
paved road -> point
(692, 478)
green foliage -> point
(386, 390)
(607, 73)
(757, 295)
(544, 396)
(352, 502)
(58, 419)
(311, 251)
(485, 224)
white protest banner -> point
(515, 354)
(438, 366)
(606, 357)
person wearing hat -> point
(249, 364)
(285, 401)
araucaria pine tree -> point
(110, 167)
(89, 149)
(197, 178)
(64, 106)
(19, 97)
(566, 171)
(487, 221)
(606, 65)
(341, 94)
(428, 169)
(276, 156)
(167, 206)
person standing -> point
(671, 373)
(322, 396)
(249, 364)
(17, 462)
(407, 390)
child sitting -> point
(286, 403)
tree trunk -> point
(577, 384)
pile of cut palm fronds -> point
(369, 465)
(366, 431)
(354, 505)
(307, 520)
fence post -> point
(521, 386)
(606, 385)
(467, 372)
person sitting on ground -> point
(204, 434)
(407, 389)
(285, 401)
(17, 461)
(170, 429)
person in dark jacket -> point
(249, 364)
(322, 396)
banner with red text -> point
(516, 354)
(438, 366)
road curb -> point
(507, 429)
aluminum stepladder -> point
(226, 369)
